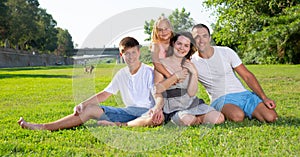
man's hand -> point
(78, 109)
(269, 103)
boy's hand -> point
(78, 109)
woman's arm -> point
(193, 82)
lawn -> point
(43, 94)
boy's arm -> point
(93, 100)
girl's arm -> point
(155, 49)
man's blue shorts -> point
(247, 101)
(127, 114)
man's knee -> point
(272, 117)
(236, 117)
(233, 113)
(265, 114)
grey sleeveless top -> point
(181, 100)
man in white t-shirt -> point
(216, 67)
(135, 83)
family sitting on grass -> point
(167, 93)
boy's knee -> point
(92, 111)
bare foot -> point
(29, 126)
(108, 123)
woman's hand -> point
(190, 66)
(181, 74)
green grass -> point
(43, 94)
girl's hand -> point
(190, 66)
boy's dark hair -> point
(128, 42)
(200, 25)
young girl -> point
(161, 35)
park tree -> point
(180, 20)
(3, 21)
(26, 26)
(64, 43)
(47, 40)
(260, 31)
(22, 22)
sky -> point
(102, 23)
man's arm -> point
(253, 84)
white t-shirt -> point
(136, 90)
(217, 73)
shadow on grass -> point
(4, 76)
(35, 68)
(282, 121)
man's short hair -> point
(200, 25)
(128, 42)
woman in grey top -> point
(181, 106)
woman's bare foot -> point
(29, 126)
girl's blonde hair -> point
(154, 34)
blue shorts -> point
(247, 101)
(127, 114)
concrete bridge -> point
(90, 54)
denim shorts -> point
(247, 101)
(127, 114)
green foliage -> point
(23, 25)
(3, 19)
(260, 31)
(148, 27)
(145, 55)
(180, 20)
(43, 94)
(64, 43)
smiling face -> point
(164, 30)
(182, 46)
(131, 55)
(202, 39)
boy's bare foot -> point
(29, 126)
(108, 123)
